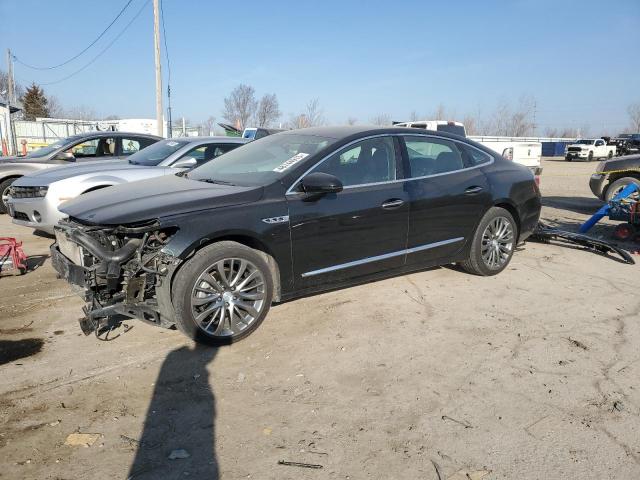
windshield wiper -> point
(219, 182)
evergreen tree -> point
(34, 103)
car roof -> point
(218, 138)
(110, 133)
(345, 131)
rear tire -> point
(224, 282)
(493, 243)
(4, 190)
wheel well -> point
(15, 177)
(255, 244)
(514, 213)
(93, 189)
(617, 176)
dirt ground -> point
(531, 374)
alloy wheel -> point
(497, 242)
(228, 297)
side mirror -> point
(65, 157)
(321, 183)
(186, 162)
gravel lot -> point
(531, 374)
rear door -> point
(448, 194)
(97, 148)
(358, 231)
(130, 145)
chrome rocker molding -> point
(382, 257)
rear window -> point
(455, 129)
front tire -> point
(4, 191)
(222, 294)
(493, 243)
(616, 187)
(590, 158)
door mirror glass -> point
(186, 162)
(65, 157)
(319, 182)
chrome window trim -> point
(398, 180)
(384, 256)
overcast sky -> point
(360, 59)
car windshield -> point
(585, 142)
(261, 161)
(156, 153)
(44, 151)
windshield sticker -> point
(291, 162)
(171, 144)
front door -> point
(358, 231)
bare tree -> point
(382, 119)
(352, 120)
(4, 87)
(206, 127)
(440, 113)
(634, 115)
(55, 107)
(112, 117)
(312, 117)
(268, 110)
(82, 112)
(414, 116)
(471, 124)
(314, 113)
(240, 106)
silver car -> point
(86, 147)
(33, 200)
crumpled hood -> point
(155, 198)
(45, 177)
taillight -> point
(508, 153)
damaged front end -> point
(120, 271)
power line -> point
(166, 49)
(166, 52)
(102, 51)
(84, 50)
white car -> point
(589, 149)
(34, 199)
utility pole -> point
(156, 45)
(10, 101)
(10, 86)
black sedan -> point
(288, 215)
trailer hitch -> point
(545, 234)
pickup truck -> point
(589, 149)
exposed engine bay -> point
(119, 271)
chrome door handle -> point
(391, 204)
(472, 190)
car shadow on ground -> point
(180, 420)
(36, 261)
(583, 205)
